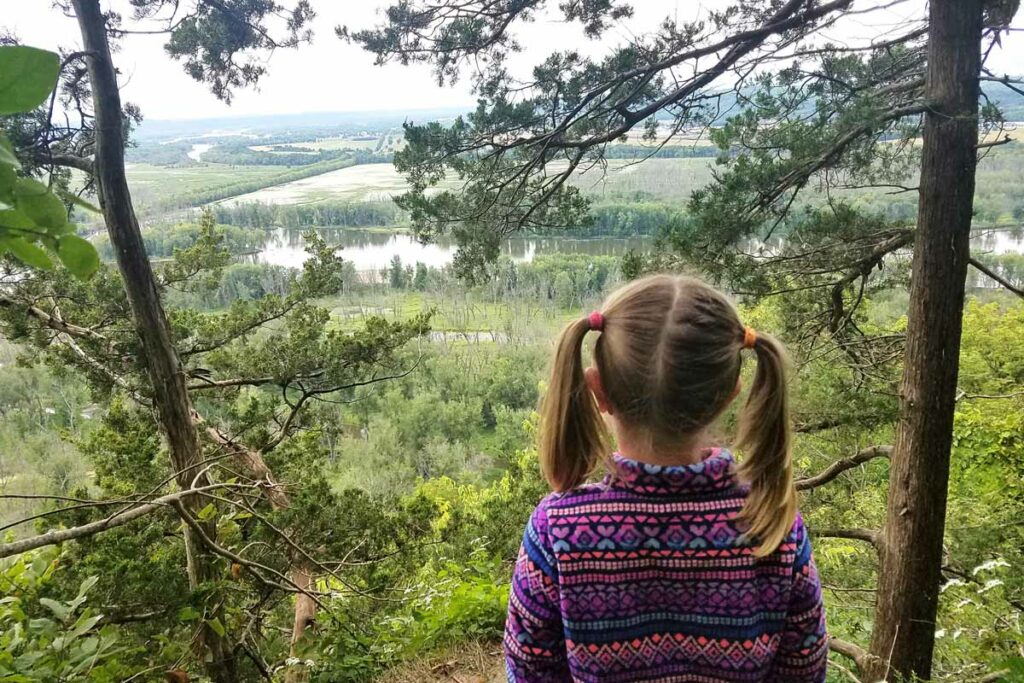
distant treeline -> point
(565, 279)
(616, 219)
(640, 152)
(320, 215)
(160, 154)
(622, 219)
(240, 154)
(162, 240)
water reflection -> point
(372, 250)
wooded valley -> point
(268, 396)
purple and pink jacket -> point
(646, 577)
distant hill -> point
(324, 123)
(352, 123)
(1010, 102)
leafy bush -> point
(43, 640)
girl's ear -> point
(593, 379)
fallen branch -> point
(871, 536)
(840, 466)
(118, 519)
(52, 321)
(858, 655)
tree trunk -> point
(911, 559)
(170, 395)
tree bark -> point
(911, 555)
(170, 396)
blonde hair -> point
(669, 357)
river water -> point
(371, 250)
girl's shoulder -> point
(584, 493)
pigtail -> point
(765, 436)
(572, 436)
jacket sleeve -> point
(803, 651)
(534, 641)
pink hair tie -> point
(596, 321)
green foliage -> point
(216, 41)
(46, 640)
(34, 220)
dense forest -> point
(214, 467)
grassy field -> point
(366, 182)
(664, 179)
(153, 184)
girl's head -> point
(666, 364)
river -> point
(371, 250)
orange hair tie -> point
(749, 337)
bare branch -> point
(872, 536)
(860, 657)
(118, 519)
(978, 265)
(54, 322)
(840, 466)
(84, 164)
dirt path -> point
(467, 663)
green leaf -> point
(12, 219)
(84, 624)
(7, 153)
(73, 198)
(216, 626)
(28, 253)
(7, 179)
(188, 613)
(207, 513)
(39, 204)
(87, 585)
(78, 255)
(27, 77)
(59, 610)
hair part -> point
(669, 356)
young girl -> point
(681, 565)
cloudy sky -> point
(331, 75)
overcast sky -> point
(331, 75)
